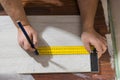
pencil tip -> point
(36, 52)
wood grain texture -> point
(69, 7)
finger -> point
(98, 47)
(27, 46)
(100, 52)
(35, 39)
(104, 38)
(104, 41)
(87, 46)
(103, 45)
(21, 43)
(99, 55)
(104, 48)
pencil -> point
(27, 37)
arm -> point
(89, 36)
(15, 10)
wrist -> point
(88, 25)
(24, 23)
(26, 26)
(88, 29)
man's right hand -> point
(23, 42)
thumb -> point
(35, 40)
(99, 55)
(87, 46)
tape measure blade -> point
(62, 50)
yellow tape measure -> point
(62, 50)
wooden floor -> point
(69, 7)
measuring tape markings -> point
(62, 50)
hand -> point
(93, 38)
(23, 42)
